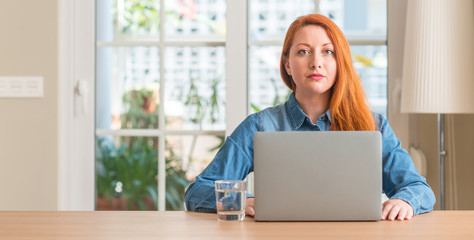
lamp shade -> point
(438, 66)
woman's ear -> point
(287, 66)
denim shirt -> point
(235, 158)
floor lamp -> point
(438, 70)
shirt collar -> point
(297, 115)
(328, 116)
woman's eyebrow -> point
(308, 45)
(305, 44)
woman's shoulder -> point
(271, 110)
(269, 119)
(266, 113)
(263, 120)
(272, 118)
(380, 120)
(255, 121)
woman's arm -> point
(234, 161)
(400, 177)
(230, 163)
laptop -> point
(318, 176)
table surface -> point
(191, 225)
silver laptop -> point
(318, 176)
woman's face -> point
(311, 61)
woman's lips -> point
(316, 76)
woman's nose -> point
(316, 62)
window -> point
(160, 90)
(162, 106)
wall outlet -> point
(21, 87)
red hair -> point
(347, 106)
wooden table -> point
(190, 225)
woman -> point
(316, 65)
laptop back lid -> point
(318, 176)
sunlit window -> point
(160, 90)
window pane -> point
(128, 19)
(195, 88)
(186, 157)
(364, 19)
(126, 173)
(266, 88)
(201, 19)
(269, 20)
(371, 64)
(127, 87)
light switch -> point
(21, 87)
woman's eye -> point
(303, 52)
(328, 52)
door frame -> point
(76, 36)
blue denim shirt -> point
(235, 159)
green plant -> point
(133, 17)
(214, 101)
(137, 16)
(175, 181)
(199, 106)
(127, 170)
(141, 109)
(195, 101)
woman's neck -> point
(313, 105)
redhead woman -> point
(316, 65)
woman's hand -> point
(249, 207)
(392, 209)
(396, 209)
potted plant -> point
(126, 172)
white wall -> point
(395, 41)
(28, 132)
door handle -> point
(81, 91)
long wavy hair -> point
(348, 107)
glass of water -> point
(230, 199)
